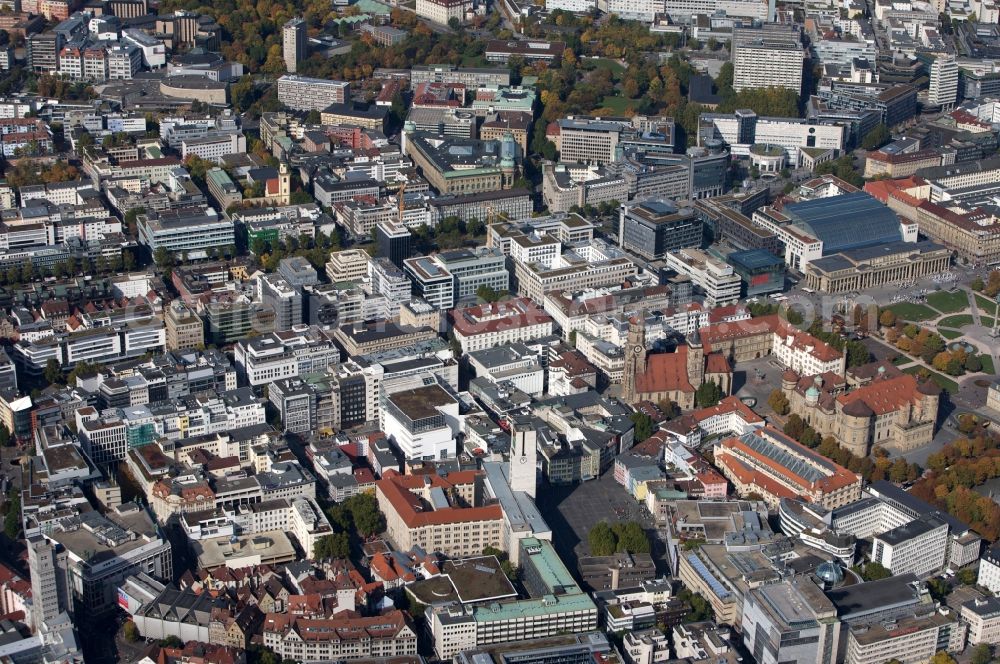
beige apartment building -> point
(450, 527)
(183, 326)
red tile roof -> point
(728, 405)
(397, 490)
(385, 626)
(728, 331)
(806, 342)
(488, 318)
(716, 363)
(885, 395)
(665, 372)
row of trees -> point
(53, 373)
(27, 172)
(920, 342)
(605, 540)
(844, 169)
(990, 287)
(28, 273)
(644, 426)
(957, 362)
(960, 465)
(876, 467)
(315, 250)
(12, 518)
(509, 569)
(450, 233)
(422, 46)
(47, 85)
(707, 394)
(700, 608)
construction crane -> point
(402, 201)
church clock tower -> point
(635, 356)
(695, 359)
(523, 460)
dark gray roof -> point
(874, 595)
(700, 90)
(910, 530)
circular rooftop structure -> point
(767, 158)
(767, 150)
(830, 573)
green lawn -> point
(950, 335)
(947, 303)
(943, 382)
(902, 360)
(986, 305)
(910, 311)
(986, 321)
(987, 361)
(603, 63)
(618, 104)
(955, 322)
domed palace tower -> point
(789, 379)
(855, 427)
(929, 398)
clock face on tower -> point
(637, 349)
(524, 459)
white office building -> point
(683, 10)
(301, 93)
(287, 354)
(294, 43)
(632, 10)
(919, 547)
(989, 570)
(422, 422)
(191, 230)
(943, 89)
(214, 146)
(716, 279)
(575, 6)
(767, 57)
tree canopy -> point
(708, 394)
(605, 540)
(644, 426)
(12, 519)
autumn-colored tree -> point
(899, 471)
(941, 361)
(31, 172)
(778, 402)
(992, 286)
(795, 426)
(941, 657)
